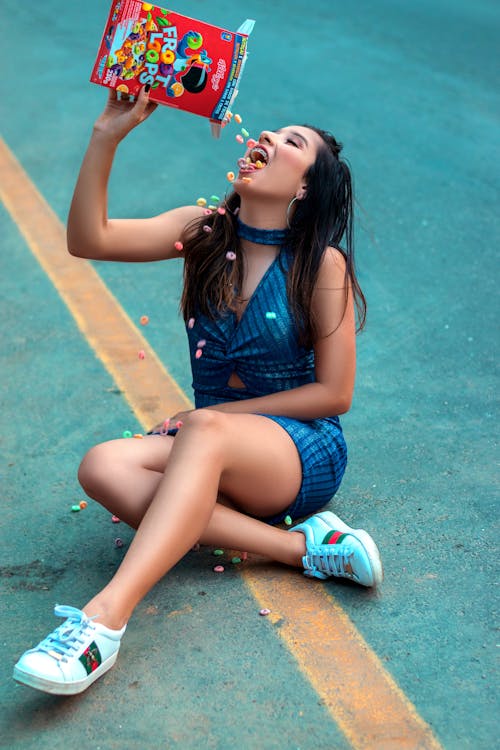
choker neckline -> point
(260, 236)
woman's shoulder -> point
(332, 266)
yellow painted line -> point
(361, 696)
(149, 389)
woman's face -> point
(276, 166)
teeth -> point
(257, 159)
(258, 154)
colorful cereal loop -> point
(167, 57)
(152, 56)
(155, 45)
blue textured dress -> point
(262, 349)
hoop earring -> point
(288, 211)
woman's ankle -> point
(104, 614)
(297, 542)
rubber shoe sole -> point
(63, 688)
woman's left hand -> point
(171, 423)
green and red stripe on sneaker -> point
(334, 537)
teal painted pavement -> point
(411, 93)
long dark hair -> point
(323, 217)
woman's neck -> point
(260, 236)
(262, 216)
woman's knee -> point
(204, 420)
(94, 470)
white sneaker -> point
(334, 549)
(72, 657)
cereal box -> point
(189, 64)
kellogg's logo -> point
(219, 74)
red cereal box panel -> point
(189, 64)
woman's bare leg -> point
(124, 476)
(248, 458)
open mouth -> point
(257, 158)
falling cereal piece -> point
(214, 199)
(198, 353)
(219, 569)
(235, 560)
(238, 119)
(246, 179)
(236, 211)
(259, 164)
(166, 424)
(221, 210)
(229, 116)
(245, 132)
(201, 343)
(178, 246)
(230, 176)
(83, 504)
(126, 434)
(144, 320)
(251, 142)
(138, 436)
(201, 202)
(191, 323)
(230, 255)
(115, 519)
(207, 229)
(75, 508)
(239, 138)
(218, 552)
(288, 520)
(264, 612)
(141, 354)
(207, 211)
(271, 315)
(118, 542)
(179, 424)
(244, 556)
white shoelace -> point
(69, 636)
(332, 559)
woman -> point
(269, 301)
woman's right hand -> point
(120, 116)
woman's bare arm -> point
(90, 233)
